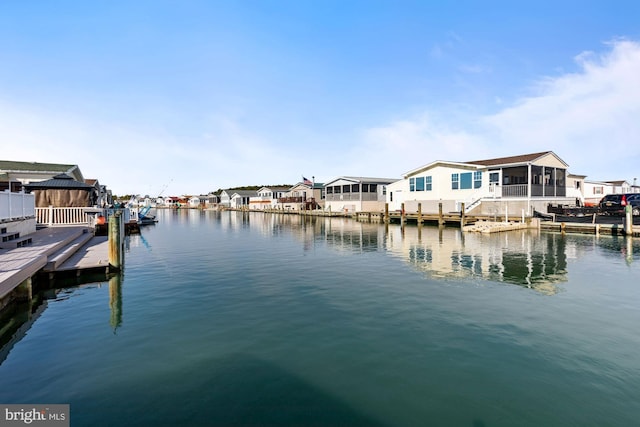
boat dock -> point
(52, 250)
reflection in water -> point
(522, 257)
(115, 301)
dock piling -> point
(115, 240)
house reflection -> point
(527, 257)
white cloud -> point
(590, 118)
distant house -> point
(18, 174)
(194, 201)
(240, 198)
(304, 195)
(596, 190)
(209, 201)
(236, 199)
(356, 194)
(267, 198)
(102, 195)
(516, 184)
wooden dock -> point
(52, 250)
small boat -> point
(144, 218)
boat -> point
(144, 218)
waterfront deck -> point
(52, 250)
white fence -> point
(16, 205)
(77, 216)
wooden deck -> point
(52, 250)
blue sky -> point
(192, 96)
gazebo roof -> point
(61, 181)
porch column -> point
(529, 179)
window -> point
(465, 181)
(412, 184)
(427, 181)
(494, 177)
(477, 179)
(597, 190)
(355, 188)
(420, 183)
(455, 181)
(346, 188)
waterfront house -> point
(514, 185)
(305, 195)
(194, 201)
(209, 201)
(240, 199)
(22, 173)
(267, 197)
(356, 194)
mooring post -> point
(115, 240)
(386, 213)
(462, 215)
(419, 213)
(440, 217)
(628, 220)
(402, 214)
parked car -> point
(615, 204)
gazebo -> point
(62, 191)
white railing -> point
(52, 216)
(515, 190)
(16, 205)
(62, 216)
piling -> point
(419, 213)
(628, 221)
(462, 215)
(402, 214)
(440, 217)
(115, 240)
(386, 213)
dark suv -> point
(615, 204)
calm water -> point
(236, 319)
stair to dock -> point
(56, 259)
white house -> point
(514, 184)
(356, 194)
(194, 201)
(594, 191)
(239, 199)
(267, 198)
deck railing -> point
(16, 205)
(52, 216)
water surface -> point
(261, 319)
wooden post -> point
(115, 301)
(440, 217)
(462, 215)
(628, 220)
(386, 213)
(402, 214)
(419, 213)
(115, 240)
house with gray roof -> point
(18, 174)
(513, 185)
(356, 194)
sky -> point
(187, 97)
